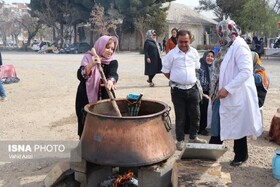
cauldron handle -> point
(167, 120)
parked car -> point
(76, 48)
(276, 43)
(36, 46)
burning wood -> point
(125, 180)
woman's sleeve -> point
(199, 74)
(146, 46)
(81, 73)
(244, 65)
(258, 79)
(112, 70)
(167, 48)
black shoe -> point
(235, 163)
(204, 132)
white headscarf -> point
(149, 36)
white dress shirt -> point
(182, 67)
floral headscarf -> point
(225, 30)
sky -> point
(190, 3)
(16, 1)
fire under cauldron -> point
(129, 140)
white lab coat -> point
(239, 111)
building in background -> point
(183, 17)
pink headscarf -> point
(92, 83)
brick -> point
(157, 175)
(77, 163)
(97, 174)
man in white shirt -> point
(179, 67)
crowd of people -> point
(231, 84)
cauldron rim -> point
(90, 105)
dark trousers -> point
(215, 140)
(151, 78)
(203, 113)
(186, 106)
(81, 101)
(240, 149)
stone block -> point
(77, 163)
(157, 175)
(81, 178)
(58, 173)
(97, 174)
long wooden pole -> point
(114, 103)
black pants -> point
(215, 140)
(151, 78)
(186, 106)
(81, 101)
(203, 113)
(240, 149)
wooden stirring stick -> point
(114, 103)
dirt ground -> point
(41, 107)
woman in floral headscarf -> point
(90, 89)
(238, 111)
(153, 63)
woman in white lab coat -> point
(239, 112)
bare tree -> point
(276, 6)
(6, 18)
(61, 18)
(31, 25)
(16, 30)
(99, 22)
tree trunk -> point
(91, 37)
(75, 33)
(142, 38)
(61, 34)
(54, 34)
(16, 39)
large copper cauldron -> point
(129, 140)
